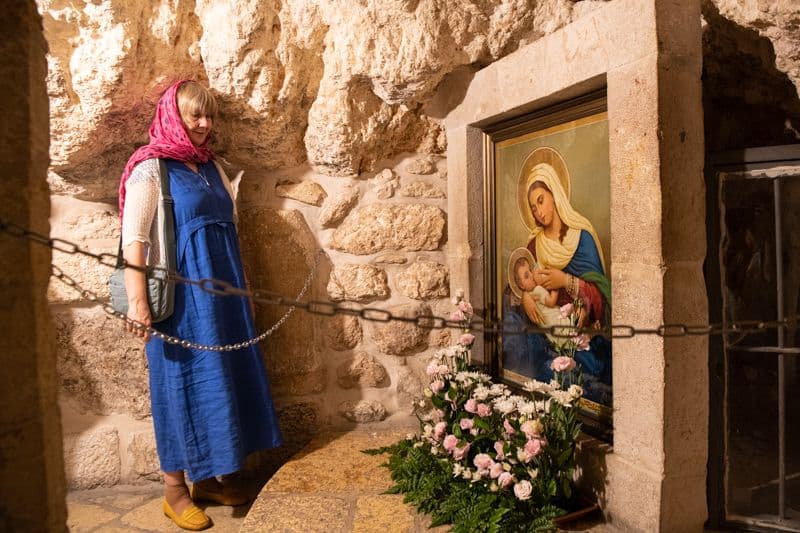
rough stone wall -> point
(751, 73)
(335, 112)
(31, 468)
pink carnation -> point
(534, 447)
(437, 386)
(465, 307)
(563, 363)
(484, 410)
(466, 423)
(508, 427)
(450, 442)
(495, 470)
(471, 406)
(505, 480)
(581, 342)
(498, 448)
(565, 310)
(466, 339)
(439, 430)
(460, 453)
(457, 316)
(531, 428)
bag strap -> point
(169, 220)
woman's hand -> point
(552, 278)
(529, 305)
(136, 289)
(139, 311)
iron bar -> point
(776, 187)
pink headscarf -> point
(168, 139)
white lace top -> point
(143, 208)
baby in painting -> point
(522, 279)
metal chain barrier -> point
(328, 308)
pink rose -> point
(565, 310)
(460, 453)
(466, 339)
(505, 479)
(484, 410)
(466, 423)
(465, 307)
(483, 461)
(437, 386)
(495, 470)
(439, 430)
(534, 447)
(563, 363)
(471, 406)
(508, 427)
(498, 448)
(450, 442)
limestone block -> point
(385, 182)
(376, 228)
(92, 226)
(361, 370)
(359, 283)
(299, 421)
(336, 207)
(102, 367)
(143, 456)
(87, 517)
(401, 338)
(422, 165)
(420, 189)
(423, 280)
(386, 512)
(299, 383)
(91, 458)
(363, 411)
(442, 173)
(342, 332)
(409, 389)
(292, 353)
(441, 337)
(391, 258)
(308, 192)
(776, 20)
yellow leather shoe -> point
(228, 496)
(193, 518)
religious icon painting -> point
(548, 219)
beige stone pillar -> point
(647, 53)
(31, 465)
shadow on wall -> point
(747, 101)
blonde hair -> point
(194, 99)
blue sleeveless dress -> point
(210, 409)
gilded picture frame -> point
(547, 209)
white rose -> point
(523, 490)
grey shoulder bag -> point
(160, 290)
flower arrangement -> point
(486, 458)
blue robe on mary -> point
(210, 409)
(530, 354)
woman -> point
(210, 410)
(566, 246)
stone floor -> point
(329, 486)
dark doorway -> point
(753, 274)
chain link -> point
(328, 308)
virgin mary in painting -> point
(570, 260)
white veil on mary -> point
(547, 166)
